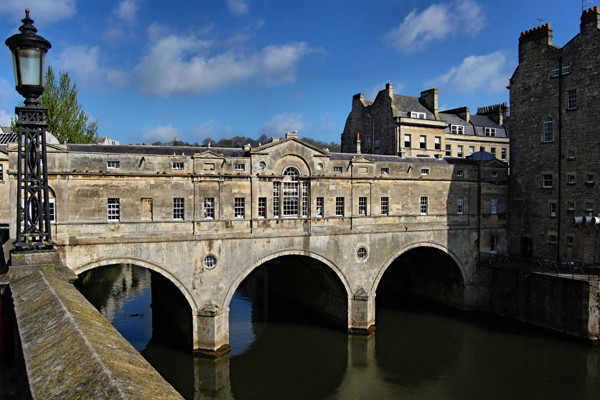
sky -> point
(153, 70)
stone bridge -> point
(326, 226)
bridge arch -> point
(145, 264)
(257, 263)
(384, 268)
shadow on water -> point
(419, 351)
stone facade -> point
(554, 145)
(414, 127)
(206, 218)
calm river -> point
(414, 354)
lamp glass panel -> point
(30, 61)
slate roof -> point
(6, 138)
(158, 150)
(483, 121)
(403, 105)
(453, 119)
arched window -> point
(548, 130)
(291, 191)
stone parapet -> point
(71, 351)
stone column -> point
(211, 331)
(361, 309)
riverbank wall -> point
(565, 303)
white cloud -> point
(126, 10)
(163, 133)
(238, 7)
(436, 23)
(48, 10)
(487, 72)
(281, 123)
(83, 65)
(187, 65)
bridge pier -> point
(211, 331)
(361, 309)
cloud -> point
(126, 10)
(237, 7)
(436, 23)
(487, 72)
(83, 65)
(163, 133)
(176, 65)
(284, 122)
(48, 10)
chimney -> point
(532, 38)
(429, 98)
(390, 89)
(357, 143)
(590, 20)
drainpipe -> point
(559, 203)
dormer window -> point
(457, 129)
(417, 115)
(490, 131)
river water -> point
(416, 353)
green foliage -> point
(66, 118)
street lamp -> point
(33, 217)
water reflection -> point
(415, 353)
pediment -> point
(209, 154)
(362, 160)
(289, 146)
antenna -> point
(541, 21)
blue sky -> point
(151, 70)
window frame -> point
(339, 206)
(209, 207)
(362, 205)
(424, 205)
(407, 141)
(239, 207)
(572, 99)
(113, 164)
(178, 208)
(494, 206)
(113, 209)
(385, 205)
(178, 165)
(548, 131)
(418, 115)
(489, 131)
(262, 207)
(320, 207)
(457, 129)
(423, 142)
(547, 181)
(460, 205)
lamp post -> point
(33, 217)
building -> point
(555, 117)
(281, 185)
(408, 126)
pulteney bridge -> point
(327, 227)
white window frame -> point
(547, 181)
(548, 135)
(553, 209)
(276, 199)
(320, 206)
(339, 206)
(424, 171)
(52, 209)
(555, 70)
(239, 167)
(491, 132)
(239, 207)
(178, 165)
(457, 129)
(385, 171)
(385, 205)
(338, 170)
(262, 207)
(423, 142)
(424, 205)
(471, 150)
(417, 115)
(209, 208)
(459, 151)
(113, 209)
(362, 205)
(407, 141)
(113, 164)
(503, 154)
(178, 208)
